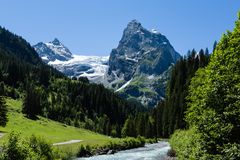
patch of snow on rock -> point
(124, 86)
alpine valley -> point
(142, 100)
(138, 69)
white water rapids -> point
(157, 151)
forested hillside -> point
(213, 112)
(169, 114)
(47, 92)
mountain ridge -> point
(142, 59)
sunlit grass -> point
(52, 131)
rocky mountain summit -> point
(52, 51)
(139, 66)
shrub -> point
(39, 146)
(171, 153)
(84, 151)
(15, 148)
(141, 140)
(189, 140)
(231, 151)
(20, 149)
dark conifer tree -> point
(214, 46)
(32, 104)
(3, 112)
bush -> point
(231, 151)
(15, 148)
(20, 149)
(187, 144)
(43, 149)
(129, 143)
(151, 140)
(171, 153)
(84, 151)
(67, 154)
(141, 140)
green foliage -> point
(141, 124)
(231, 151)
(213, 108)
(84, 151)
(17, 46)
(128, 128)
(40, 147)
(32, 102)
(52, 131)
(141, 140)
(74, 102)
(130, 143)
(169, 114)
(113, 132)
(187, 144)
(18, 148)
(15, 148)
(3, 112)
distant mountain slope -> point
(16, 46)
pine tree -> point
(129, 129)
(3, 112)
(214, 46)
(32, 102)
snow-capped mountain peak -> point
(59, 56)
(52, 51)
(59, 48)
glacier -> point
(92, 67)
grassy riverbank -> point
(50, 130)
(54, 132)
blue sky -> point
(94, 27)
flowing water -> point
(157, 151)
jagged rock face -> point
(52, 51)
(141, 53)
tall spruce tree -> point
(3, 112)
(32, 102)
